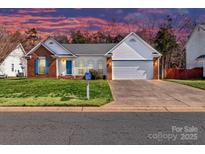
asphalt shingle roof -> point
(90, 49)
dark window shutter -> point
(47, 66)
(37, 66)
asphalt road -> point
(102, 128)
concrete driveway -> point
(154, 93)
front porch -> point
(75, 67)
(65, 67)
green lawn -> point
(194, 83)
(53, 92)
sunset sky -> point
(62, 20)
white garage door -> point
(132, 70)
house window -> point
(12, 67)
(100, 67)
(90, 65)
(42, 65)
(81, 67)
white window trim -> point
(39, 65)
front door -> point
(68, 67)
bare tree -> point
(183, 27)
(8, 42)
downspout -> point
(162, 71)
(158, 67)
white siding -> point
(195, 48)
(131, 70)
(132, 49)
(16, 58)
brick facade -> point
(41, 52)
(66, 77)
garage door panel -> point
(129, 70)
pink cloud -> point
(49, 24)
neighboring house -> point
(195, 49)
(132, 58)
(13, 63)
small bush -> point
(96, 75)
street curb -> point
(41, 109)
(102, 109)
(186, 109)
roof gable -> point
(4, 55)
(196, 29)
(133, 47)
(54, 47)
(22, 48)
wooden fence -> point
(183, 73)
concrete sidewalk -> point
(103, 109)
